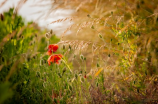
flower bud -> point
(82, 57)
(100, 36)
(63, 46)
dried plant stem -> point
(66, 65)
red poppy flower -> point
(54, 59)
(52, 47)
(85, 76)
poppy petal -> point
(54, 59)
(53, 47)
(49, 52)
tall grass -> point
(110, 56)
(118, 40)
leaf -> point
(92, 27)
(98, 65)
(6, 92)
(97, 73)
(15, 42)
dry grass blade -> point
(13, 68)
(6, 38)
(62, 20)
(97, 73)
(3, 3)
(62, 36)
(1, 67)
(20, 4)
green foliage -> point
(25, 76)
(5, 92)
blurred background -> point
(39, 11)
